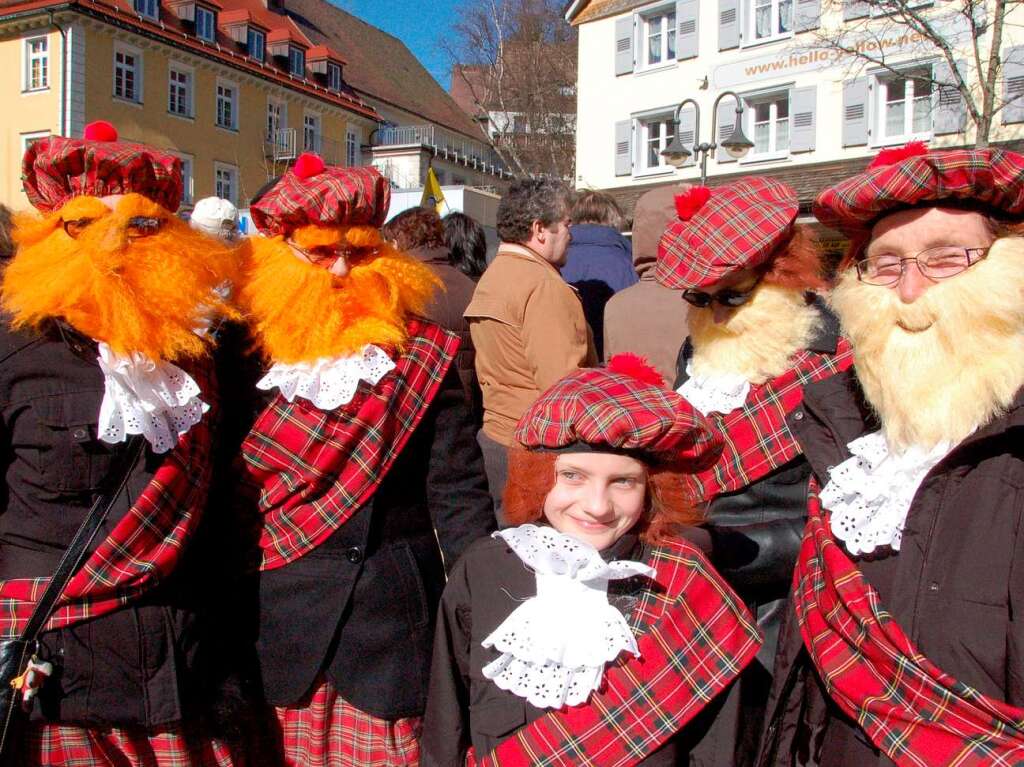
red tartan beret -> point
(605, 410)
(739, 227)
(987, 178)
(55, 169)
(314, 193)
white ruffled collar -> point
(158, 400)
(869, 494)
(714, 393)
(554, 646)
(329, 382)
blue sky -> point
(420, 24)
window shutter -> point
(728, 24)
(686, 29)
(856, 9)
(950, 109)
(687, 130)
(855, 112)
(624, 46)
(623, 148)
(1013, 85)
(802, 108)
(808, 15)
(726, 123)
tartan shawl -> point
(694, 636)
(313, 469)
(914, 712)
(141, 550)
(757, 437)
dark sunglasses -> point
(137, 227)
(730, 298)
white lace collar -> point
(158, 400)
(869, 494)
(554, 646)
(330, 382)
(715, 393)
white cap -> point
(215, 216)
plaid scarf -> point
(694, 636)
(757, 439)
(914, 712)
(143, 548)
(311, 469)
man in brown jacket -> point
(527, 324)
(647, 318)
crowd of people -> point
(343, 493)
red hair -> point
(797, 263)
(531, 475)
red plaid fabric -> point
(327, 731)
(71, 746)
(313, 469)
(55, 169)
(333, 197)
(913, 711)
(739, 227)
(757, 438)
(597, 407)
(694, 636)
(992, 178)
(141, 550)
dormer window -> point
(206, 24)
(148, 8)
(296, 61)
(256, 44)
(334, 76)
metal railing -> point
(469, 153)
(288, 143)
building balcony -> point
(286, 144)
(445, 146)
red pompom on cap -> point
(308, 165)
(690, 201)
(635, 366)
(898, 154)
(100, 130)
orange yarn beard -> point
(144, 295)
(300, 312)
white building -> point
(814, 115)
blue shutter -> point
(624, 46)
(686, 29)
(726, 125)
(728, 24)
(855, 112)
(950, 109)
(623, 148)
(1013, 85)
(802, 109)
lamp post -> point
(737, 144)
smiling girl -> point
(591, 605)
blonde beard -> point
(965, 365)
(300, 312)
(758, 340)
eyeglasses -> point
(323, 255)
(726, 297)
(936, 263)
(137, 227)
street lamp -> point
(737, 144)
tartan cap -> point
(55, 169)
(739, 227)
(912, 176)
(314, 193)
(611, 409)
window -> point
(206, 24)
(296, 61)
(334, 77)
(179, 91)
(768, 123)
(186, 180)
(352, 157)
(37, 64)
(225, 178)
(659, 37)
(905, 105)
(311, 133)
(127, 74)
(771, 19)
(28, 139)
(148, 8)
(256, 43)
(655, 134)
(227, 106)
(277, 118)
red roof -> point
(318, 52)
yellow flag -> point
(433, 197)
